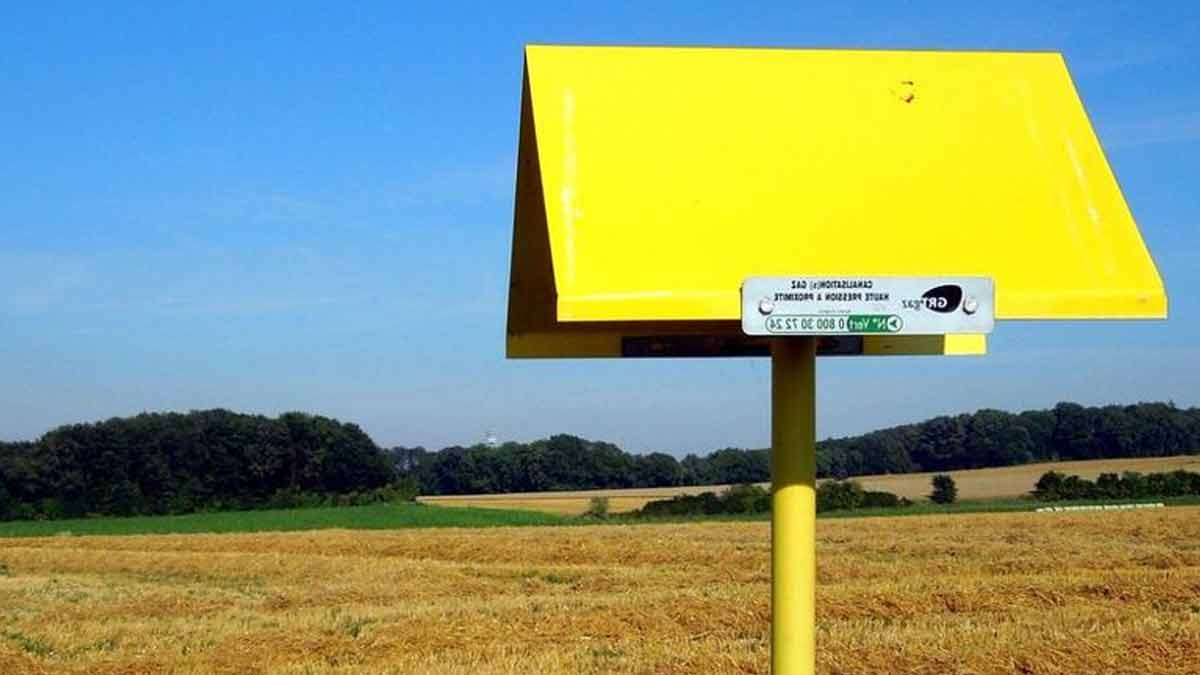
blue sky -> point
(308, 206)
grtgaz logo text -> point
(944, 299)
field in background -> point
(569, 503)
(997, 483)
(982, 594)
(1017, 481)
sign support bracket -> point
(793, 505)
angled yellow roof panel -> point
(653, 181)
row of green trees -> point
(969, 441)
(834, 495)
(735, 500)
(565, 462)
(217, 459)
(996, 438)
(1055, 486)
(183, 462)
(847, 495)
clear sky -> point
(272, 207)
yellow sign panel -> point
(653, 181)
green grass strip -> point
(372, 517)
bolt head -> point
(970, 305)
(766, 306)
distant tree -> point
(1074, 487)
(733, 465)
(746, 498)
(874, 499)
(695, 471)
(1135, 484)
(941, 444)
(1110, 486)
(597, 507)
(124, 499)
(413, 464)
(831, 460)
(887, 448)
(1050, 486)
(944, 489)
(837, 495)
(1039, 426)
(1113, 435)
(657, 469)
(995, 439)
(1073, 432)
(1173, 484)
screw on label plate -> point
(970, 305)
(766, 306)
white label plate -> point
(834, 305)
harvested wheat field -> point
(1016, 481)
(1003, 482)
(1000, 593)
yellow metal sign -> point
(653, 181)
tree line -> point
(968, 441)
(1054, 486)
(749, 498)
(995, 438)
(158, 463)
(565, 462)
(216, 459)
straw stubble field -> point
(1027, 593)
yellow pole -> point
(793, 506)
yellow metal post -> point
(793, 506)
